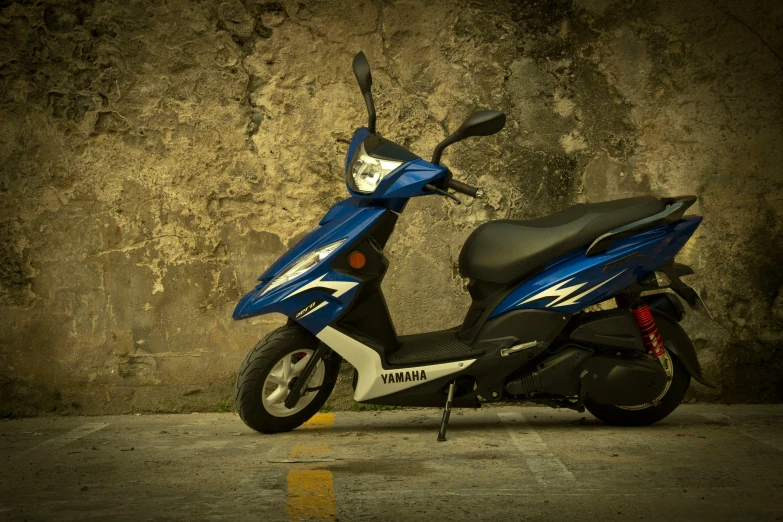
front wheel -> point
(267, 374)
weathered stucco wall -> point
(156, 157)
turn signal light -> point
(357, 260)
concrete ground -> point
(702, 463)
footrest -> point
(431, 347)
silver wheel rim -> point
(668, 367)
(276, 385)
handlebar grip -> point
(464, 188)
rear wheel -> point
(646, 414)
(267, 374)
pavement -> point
(704, 462)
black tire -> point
(681, 380)
(611, 414)
(286, 340)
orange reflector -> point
(357, 260)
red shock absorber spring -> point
(650, 334)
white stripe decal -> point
(575, 300)
(340, 287)
(561, 293)
(556, 291)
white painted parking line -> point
(653, 492)
(546, 468)
(772, 441)
(66, 438)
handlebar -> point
(464, 188)
(457, 186)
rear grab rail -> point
(675, 208)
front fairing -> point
(323, 290)
(320, 295)
(405, 182)
(335, 225)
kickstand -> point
(446, 413)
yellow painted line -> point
(310, 495)
(319, 420)
(311, 491)
(300, 450)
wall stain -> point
(155, 158)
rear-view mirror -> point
(480, 123)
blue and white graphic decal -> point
(561, 293)
(312, 303)
(573, 281)
(338, 288)
(319, 295)
(348, 222)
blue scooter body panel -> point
(337, 290)
(576, 280)
(404, 182)
(336, 294)
(349, 219)
(568, 283)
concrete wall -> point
(156, 157)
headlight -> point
(367, 171)
(302, 265)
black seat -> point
(506, 250)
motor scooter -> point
(527, 336)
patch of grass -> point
(371, 407)
(76, 405)
(6, 413)
(185, 410)
(326, 408)
(226, 405)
